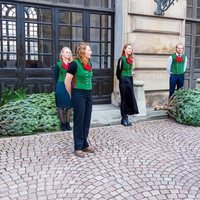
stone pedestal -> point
(140, 97)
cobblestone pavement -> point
(151, 160)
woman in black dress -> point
(63, 101)
(125, 76)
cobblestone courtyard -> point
(151, 160)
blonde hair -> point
(179, 44)
(61, 53)
(124, 48)
(80, 52)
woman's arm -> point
(68, 83)
(119, 68)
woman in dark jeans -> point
(125, 76)
(78, 83)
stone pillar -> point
(198, 83)
(140, 97)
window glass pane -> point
(78, 2)
(45, 31)
(77, 33)
(64, 1)
(106, 21)
(45, 46)
(45, 15)
(105, 62)
(99, 3)
(189, 2)
(8, 11)
(77, 19)
(189, 12)
(8, 61)
(95, 60)
(198, 3)
(31, 30)
(64, 32)
(197, 41)
(188, 28)
(63, 44)
(34, 61)
(198, 29)
(188, 51)
(187, 40)
(94, 34)
(95, 47)
(197, 52)
(5, 46)
(105, 35)
(31, 47)
(106, 49)
(30, 13)
(107, 3)
(198, 13)
(8, 28)
(74, 44)
(94, 20)
(45, 61)
(64, 17)
(197, 63)
(12, 46)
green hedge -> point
(36, 113)
(184, 106)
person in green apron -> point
(79, 85)
(176, 67)
(124, 74)
(63, 101)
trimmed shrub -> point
(36, 113)
(184, 106)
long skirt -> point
(128, 101)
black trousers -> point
(175, 80)
(82, 106)
(128, 101)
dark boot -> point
(63, 126)
(124, 121)
(128, 122)
(68, 127)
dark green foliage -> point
(184, 106)
(37, 113)
(12, 95)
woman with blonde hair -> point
(79, 85)
(63, 101)
(125, 76)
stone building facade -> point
(153, 38)
(33, 32)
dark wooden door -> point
(96, 28)
(32, 36)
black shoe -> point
(63, 126)
(68, 127)
(124, 122)
(128, 122)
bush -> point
(36, 113)
(10, 94)
(184, 106)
